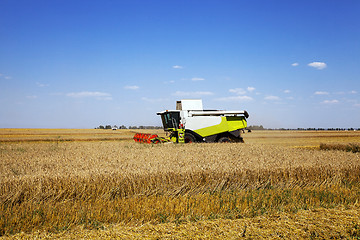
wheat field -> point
(71, 184)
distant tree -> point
(101, 127)
(142, 127)
(254, 127)
(108, 127)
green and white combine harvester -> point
(190, 123)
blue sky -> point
(81, 64)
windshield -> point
(170, 119)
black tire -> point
(189, 138)
(224, 140)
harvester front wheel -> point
(189, 138)
(224, 140)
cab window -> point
(171, 119)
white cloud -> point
(197, 79)
(42, 84)
(85, 94)
(330, 101)
(287, 91)
(318, 65)
(5, 77)
(238, 91)
(321, 93)
(272, 98)
(250, 89)
(295, 64)
(178, 67)
(132, 87)
(235, 98)
(343, 93)
(187, 94)
(169, 82)
(241, 91)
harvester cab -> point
(172, 124)
(190, 123)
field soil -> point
(100, 184)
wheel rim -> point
(189, 138)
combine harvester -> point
(190, 123)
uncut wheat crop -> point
(57, 186)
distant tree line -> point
(255, 127)
(145, 127)
(328, 129)
(114, 127)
